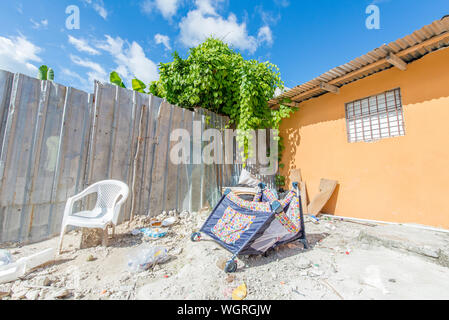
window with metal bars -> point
(376, 117)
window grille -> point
(376, 117)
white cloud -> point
(17, 53)
(98, 5)
(82, 46)
(265, 35)
(167, 8)
(204, 21)
(165, 40)
(37, 25)
(130, 59)
(96, 71)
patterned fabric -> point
(258, 197)
(291, 219)
(287, 223)
(284, 202)
(231, 226)
(270, 195)
(250, 205)
(293, 212)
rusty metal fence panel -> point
(56, 140)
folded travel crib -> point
(253, 227)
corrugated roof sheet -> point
(375, 61)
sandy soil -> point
(338, 266)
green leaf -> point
(114, 78)
(42, 73)
(50, 74)
(138, 85)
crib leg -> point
(305, 243)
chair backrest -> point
(108, 192)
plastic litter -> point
(154, 232)
(146, 256)
(5, 257)
(13, 271)
(239, 293)
(169, 221)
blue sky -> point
(303, 37)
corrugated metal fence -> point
(56, 140)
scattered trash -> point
(156, 223)
(146, 256)
(103, 292)
(240, 292)
(154, 233)
(5, 257)
(13, 271)
(91, 258)
(135, 232)
(169, 221)
(227, 292)
(392, 280)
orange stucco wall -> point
(403, 179)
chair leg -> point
(105, 236)
(60, 239)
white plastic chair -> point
(105, 213)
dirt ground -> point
(346, 261)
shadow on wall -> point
(331, 205)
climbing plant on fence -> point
(217, 78)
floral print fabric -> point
(270, 195)
(231, 225)
(250, 205)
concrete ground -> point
(346, 261)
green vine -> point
(217, 78)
